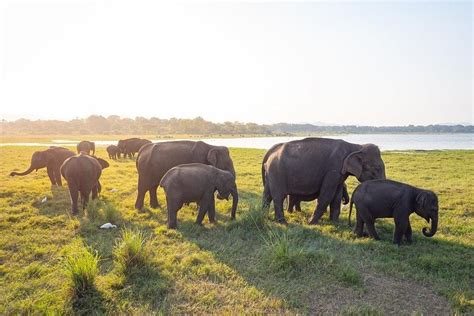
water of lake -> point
(384, 141)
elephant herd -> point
(301, 170)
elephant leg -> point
(153, 196)
(328, 190)
(211, 212)
(278, 205)
(408, 233)
(204, 206)
(85, 198)
(292, 201)
(173, 207)
(74, 193)
(57, 175)
(143, 186)
(335, 206)
(51, 176)
(401, 225)
(267, 197)
(95, 191)
(359, 229)
(298, 205)
(368, 220)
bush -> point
(284, 253)
(111, 214)
(82, 268)
(132, 250)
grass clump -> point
(284, 253)
(132, 250)
(82, 268)
(111, 214)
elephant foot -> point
(74, 212)
(313, 221)
(155, 205)
(172, 226)
(282, 221)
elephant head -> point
(365, 164)
(427, 207)
(225, 185)
(40, 159)
(219, 157)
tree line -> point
(115, 125)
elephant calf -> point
(82, 173)
(196, 182)
(113, 151)
(390, 199)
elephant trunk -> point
(434, 227)
(235, 201)
(30, 169)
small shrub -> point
(82, 268)
(255, 217)
(284, 253)
(348, 275)
(132, 250)
(93, 208)
(111, 214)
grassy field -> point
(52, 262)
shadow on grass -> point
(292, 262)
(90, 303)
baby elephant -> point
(391, 199)
(82, 173)
(196, 182)
(113, 151)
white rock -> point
(44, 200)
(108, 225)
(113, 190)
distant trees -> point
(114, 124)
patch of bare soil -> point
(388, 295)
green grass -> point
(81, 268)
(250, 265)
(132, 251)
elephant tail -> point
(350, 212)
(263, 173)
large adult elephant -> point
(154, 160)
(130, 146)
(86, 146)
(317, 166)
(51, 158)
(294, 201)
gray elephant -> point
(294, 201)
(197, 182)
(51, 158)
(86, 146)
(129, 147)
(154, 160)
(113, 151)
(82, 173)
(390, 199)
(317, 166)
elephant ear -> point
(353, 164)
(212, 157)
(103, 163)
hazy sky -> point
(371, 63)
